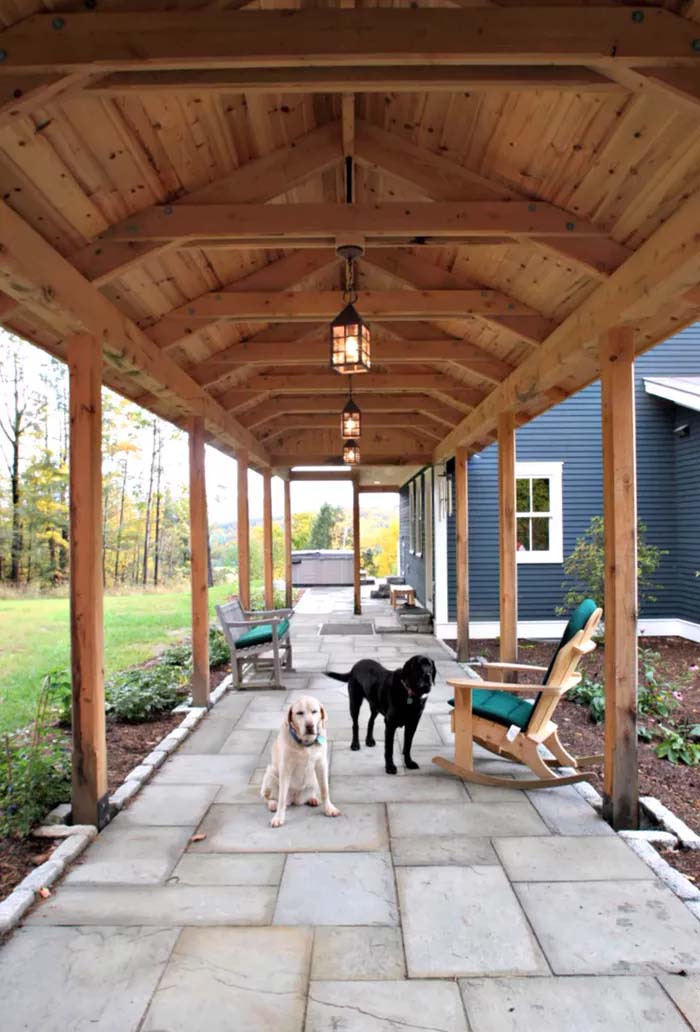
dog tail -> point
(338, 677)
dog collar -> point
(318, 740)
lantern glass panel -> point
(350, 421)
(350, 343)
(351, 453)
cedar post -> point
(243, 531)
(508, 577)
(89, 789)
(287, 544)
(199, 581)
(462, 554)
(267, 539)
(356, 546)
(621, 785)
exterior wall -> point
(411, 565)
(668, 491)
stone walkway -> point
(426, 906)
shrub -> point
(57, 685)
(219, 652)
(585, 567)
(675, 747)
(35, 773)
(591, 694)
(138, 695)
(655, 697)
(180, 656)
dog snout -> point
(309, 728)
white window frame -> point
(552, 471)
(418, 534)
(411, 517)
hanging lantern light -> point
(351, 453)
(350, 419)
(350, 337)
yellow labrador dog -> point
(299, 762)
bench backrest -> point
(229, 613)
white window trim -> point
(554, 472)
(411, 517)
(418, 535)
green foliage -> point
(219, 652)
(321, 534)
(592, 694)
(368, 563)
(584, 568)
(676, 747)
(57, 685)
(179, 656)
(655, 697)
(34, 773)
(135, 696)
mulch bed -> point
(676, 786)
(127, 744)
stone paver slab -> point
(244, 829)
(480, 819)
(167, 805)
(567, 813)
(346, 789)
(162, 905)
(570, 858)
(370, 761)
(130, 855)
(574, 1004)
(55, 979)
(226, 979)
(384, 1007)
(228, 869)
(357, 954)
(205, 770)
(245, 743)
(685, 993)
(337, 889)
(439, 850)
(208, 738)
(612, 927)
(464, 921)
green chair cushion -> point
(577, 621)
(261, 634)
(500, 707)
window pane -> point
(523, 534)
(522, 495)
(540, 534)
(540, 495)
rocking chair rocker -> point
(494, 714)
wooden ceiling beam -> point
(307, 37)
(270, 224)
(368, 79)
(662, 270)
(390, 420)
(44, 282)
(444, 180)
(255, 182)
(332, 383)
(518, 320)
(411, 404)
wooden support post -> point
(243, 532)
(508, 576)
(199, 581)
(287, 545)
(621, 784)
(89, 792)
(267, 539)
(356, 546)
(462, 554)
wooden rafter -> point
(409, 404)
(331, 383)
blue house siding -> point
(668, 491)
(411, 565)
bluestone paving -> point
(360, 953)
(337, 889)
(595, 1004)
(60, 979)
(224, 979)
(464, 921)
(156, 932)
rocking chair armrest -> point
(280, 614)
(525, 667)
(503, 686)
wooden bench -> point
(402, 591)
(251, 636)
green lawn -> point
(34, 638)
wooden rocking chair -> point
(495, 715)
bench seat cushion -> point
(261, 635)
(500, 707)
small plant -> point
(591, 694)
(655, 697)
(35, 773)
(138, 695)
(219, 652)
(676, 748)
(179, 656)
(584, 568)
(57, 685)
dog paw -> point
(331, 811)
(355, 746)
(277, 821)
(370, 743)
(390, 768)
(272, 805)
(411, 765)
(312, 802)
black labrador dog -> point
(399, 695)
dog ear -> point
(433, 670)
(323, 714)
(290, 714)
